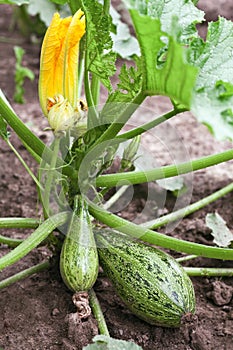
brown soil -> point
(34, 311)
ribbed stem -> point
(147, 126)
(31, 242)
(157, 238)
(98, 313)
(137, 177)
(209, 271)
(19, 223)
(25, 273)
(179, 214)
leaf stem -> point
(39, 235)
(21, 129)
(117, 125)
(28, 138)
(11, 242)
(106, 6)
(179, 214)
(98, 313)
(19, 223)
(209, 271)
(24, 164)
(157, 238)
(95, 89)
(186, 258)
(137, 177)
(147, 126)
(25, 273)
(50, 178)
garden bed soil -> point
(34, 312)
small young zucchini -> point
(79, 257)
(150, 282)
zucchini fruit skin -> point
(79, 261)
(150, 282)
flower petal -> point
(59, 59)
(71, 55)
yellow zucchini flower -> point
(58, 81)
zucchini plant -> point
(78, 169)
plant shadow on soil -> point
(34, 311)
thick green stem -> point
(19, 223)
(106, 6)
(137, 177)
(123, 117)
(209, 271)
(21, 129)
(31, 242)
(179, 214)
(95, 89)
(98, 314)
(28, 138)
(147, 126)
(157, 238)
(50, 178)
(25, 273)
(92, 120)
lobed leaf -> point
(184, 11)
(165, 70)
(124, 44)
(100, 57)
(213, 97)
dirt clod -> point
(221, 293)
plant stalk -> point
(157, 238)
(19, 223)
(31, 242)
(23, 274)
(137, 177)
(50, 178)
(179, 214)
(24, 164)
(147, 126)
(98, 313)
(209, 271)
(28, 138)
(186, 258)
(11, 242)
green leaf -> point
(124, 44)
(184, 11)
(14, 2)
(100, 57)
(129, 86)
(44, 8)
(102, 342)
(20, 74)
(165, 70)
(213, 98)
(221, 233)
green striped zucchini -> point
(79, 257)
(150, 282)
